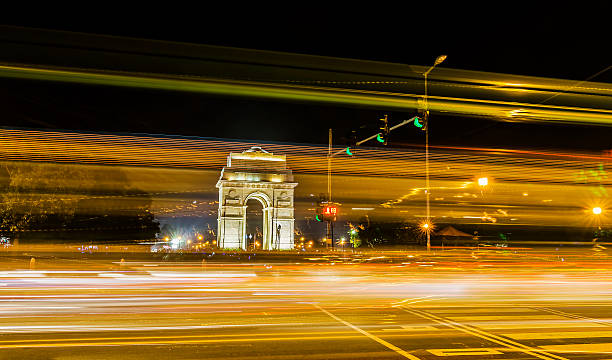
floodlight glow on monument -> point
(259, 175)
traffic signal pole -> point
(330, 155)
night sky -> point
(541, 44)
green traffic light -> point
(348, 151)
(379, 138)
(317, 217)
(417, 123)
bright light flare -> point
(483, 181)
(596, 210)
(426, 227)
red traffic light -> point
(327, 212)
(330, 210)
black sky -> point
(571, 45)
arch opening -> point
(254, 224)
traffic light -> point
(423, 118)
(327, 212)
(417, 122)
(330, 212)
(352, 143)
(384, 130)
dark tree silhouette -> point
(44, 202)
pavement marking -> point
(373, 337)
(511, 345)
(41, 343)
(466, 351)
(574, 316)
(171, 342)
(560, 335)
(602, 348)
(413, 328)
(183, 336)
(417, 299)
(475, 318)
(482, 310)
(556, 324)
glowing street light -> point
(597, 210)
(483, 181)
(439, 60)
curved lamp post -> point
(438, 61)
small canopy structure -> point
(451, 231)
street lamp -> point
(438, 61)
(597, 215)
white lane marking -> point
(554, 324)
(560, 335)
(466, 351)
(511, 345)
(600, 348)
(413, 328)
(373, 337)
(413, 300)
(481, 310)
(605, 322)
(476, 318)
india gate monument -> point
(263, 176)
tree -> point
(35, 194)
(374, 234)
(43, 201)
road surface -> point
(463, 305)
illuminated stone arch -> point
(256, 174)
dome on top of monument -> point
(256, 157)
(256, 149)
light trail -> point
(211, 154)
(595, 112)
(530, 303)
(524, 187)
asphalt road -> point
(486, 305)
